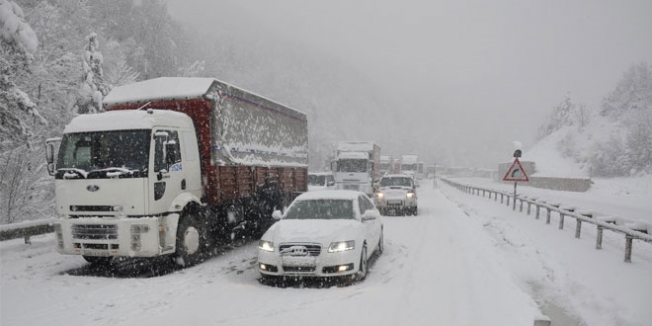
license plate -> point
(299, 261)
(96, 253)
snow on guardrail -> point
(633, 230)
(26, 229)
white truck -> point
(386, 165)
(410, 166)
(174, 166)
(357, 166)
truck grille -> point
(94, 232)
(313, 250)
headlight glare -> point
(339, 246)
(410, 194)
(266, 245)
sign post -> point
(516, 173)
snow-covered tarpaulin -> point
(245, 128)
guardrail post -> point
(628, 248)
(507, 199)
(501, 198)
(598, 238)
(578, 228)
(548, 215)
(495, 196)
(28, 240)
(520, 209)
(529, 205)
(561, 220)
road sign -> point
(516, 172)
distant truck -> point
(410, 166)
(174, 166)
(357, 166)
(386, 164)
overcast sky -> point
(489, 69)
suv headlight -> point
(380, 195)
(341, 246)
(410, 195)
(266, 245)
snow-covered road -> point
(456, 263)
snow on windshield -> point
(323, 209)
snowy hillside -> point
(613, 140)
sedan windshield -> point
(321, 209)
(91, 151)
(387, 182)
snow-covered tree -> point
(18, 42)
(92, 89)
(118, 71)
(565, 113)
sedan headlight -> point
(266, 245)
(341, 246)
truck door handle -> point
(183, 184)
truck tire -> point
(98, 261)
(191, 240)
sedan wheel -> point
(362, 272)
(381, 243)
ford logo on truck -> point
(93, 188)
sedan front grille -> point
(94, 232)
(311, 249)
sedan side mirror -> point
(369, 215)
(277, 215)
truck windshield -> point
(352, 166)
(124, 151)
(408, 167)
(316, 180)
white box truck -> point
(357, 166)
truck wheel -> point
(190, 242)
(98, 261)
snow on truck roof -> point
(354, 155)
(127, 120)
(163, 88)
(169, 88)
(356, 146)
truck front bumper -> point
(106, 237)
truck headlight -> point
(410, 195)
(266, 245)
(339, 246)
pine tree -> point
(92, 89)
(18, 42)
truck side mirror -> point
(51, 145)
(171, 152)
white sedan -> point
(328, 233)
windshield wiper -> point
(114, 171)
(74, 173)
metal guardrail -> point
(631, 230)
(11, 231)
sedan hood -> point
(321, 231)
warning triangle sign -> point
(516, 172)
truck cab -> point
(119, 165)
(353, 172)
